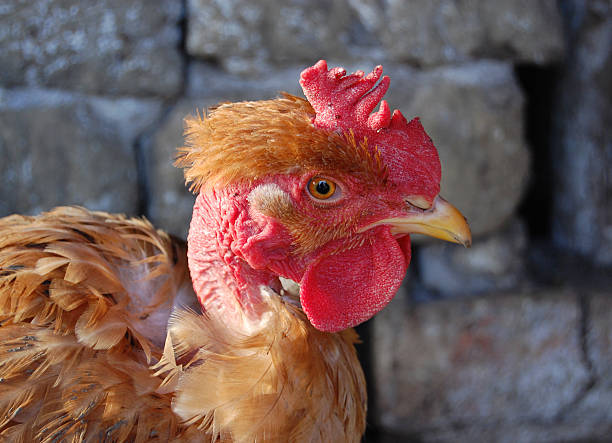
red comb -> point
(345, 102)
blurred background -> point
(508, 341)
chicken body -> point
(84, 302)
(112, 331)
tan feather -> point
(66, 295)
(101, 330)
(167, 365)
(287, 381)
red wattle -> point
(404, 243)
(344, 289)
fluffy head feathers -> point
(249, 140)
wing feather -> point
(77, 290)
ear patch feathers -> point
(271, 200)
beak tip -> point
(466, 233)
(464, 240)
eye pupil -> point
(323, 187)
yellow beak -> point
(442, 220)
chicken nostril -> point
(418, 201)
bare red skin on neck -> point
(223, 281)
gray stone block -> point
(246, 35)
(111, 47)
(582, 140)
(207, 80)
(426, 32)
(498, 368)
(66, 149)
(493, 263)
(593, 411)
(599, 337)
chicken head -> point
(324, 192)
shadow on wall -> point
(507, 341)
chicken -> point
(113, 331)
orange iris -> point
(321, 188)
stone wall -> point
(507, 341)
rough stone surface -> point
(499, 368)
(593, 411)
(171, 203)
(109, 47)
(494, 263)
(245, 35)
(65, 149)
(522, 432)
(600, 337)
(473, 113)
(427, 32)
(207, 80)
(582, 148)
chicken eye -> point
(321, 188)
